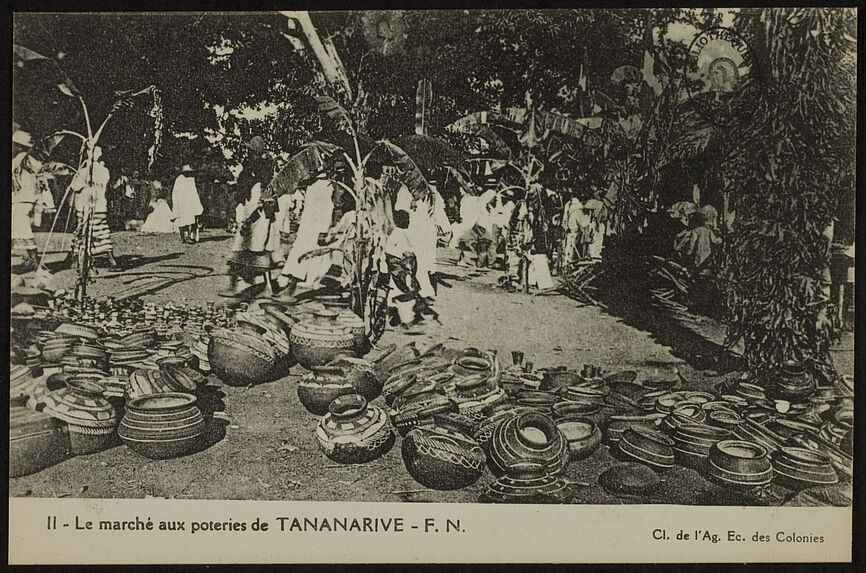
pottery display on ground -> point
(242, 358)
(442, 460)
(527, 481)
(162, 426)
(317, 389)
(143, 382)
(582, 434)
(476, 392)
(739, 464)
(354, 432)
(529, 435)
(91, 418)
(319, 339)
(36, 441)
(581, 409)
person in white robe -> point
(186, 205)
(24, 198)
(426, 217)
(160, 220)
(315, 221)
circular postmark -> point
(721, 76)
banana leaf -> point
(410, 174)
(336, 113)
(429, 153)
(302, 165)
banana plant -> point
(89, 140)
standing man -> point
(185, 205)
(574, 222)
(91, 209)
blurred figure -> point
(24, 198)
(91, 208)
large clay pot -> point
(418, 406)
(353, 432)
(355, 324)
(317, 389)
(582, 434)
(530, 435)
(56, 348)
(320, 339)
(793, 382)
(484, 432)
(361, 375)
(241, 359)
(90, 417)
(799, 468)
(161, 426)
(739, 464)
(527, 481)
(442, 460)
(36, 441)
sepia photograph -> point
(441, 259)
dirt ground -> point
(269, 450)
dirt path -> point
(269, 449)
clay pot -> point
(36, 442)
(527, 482)
(619, 424)
(242, 358)
(582, 434)
(320, 339)
(353, 432)
(629, 479)
(476, 393)
(581, 409)
(530, 435)
(185, 377)
(361, 375)
(484, 432)
(685, 413)
(739, 464)
(752, 393)
(537, 400)
(56, 348)
(89, 415)
(317, 389)
(355, 324)
(161, 426)
(76, 331)
(584, 393)
(144, 382)
(554, 379)
(418, 406)
(724, 419)
(41, 388)
(793, 382)
(468, 365)
(442, 460)
(692, 443)
(647, 446)
(800, 468)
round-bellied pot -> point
(469, 364)
(36, 441)
(484, 432)
(317, 389)
(649, 447)
(354, 432)
(739, 464)
(555, 379)
(89, 356)
(793, 382)
(684, 413)
(799, 468)
(242, 358)
(584, 393)
(91, 418)
(529, 435)
(527, 481)
(162, 426)
(629, 479)
(319, 339)
(416, 407)
(442, 460)
(185, 377)
(692, 443)
(56, 348)
(361, 375)
(538, 400)
(582, 434)
(355, 324)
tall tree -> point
(787, 165)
